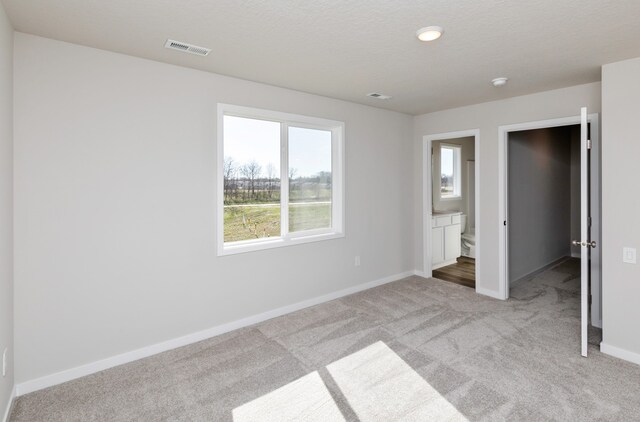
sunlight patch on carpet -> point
(305, 399)
(377, 383)
(380, 386)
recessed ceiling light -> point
(499, 81)
(429, 33)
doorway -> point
(549, 197)
(450, 203)
(543, 199)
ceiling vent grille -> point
(378, 96)
(187, 48)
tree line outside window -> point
(249, 183)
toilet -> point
(468, 238)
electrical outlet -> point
(357, 261)
(4, 362)
(629, 255)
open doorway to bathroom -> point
(451, 209)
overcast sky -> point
(446, 161)
(249, 139)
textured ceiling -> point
(347, 48)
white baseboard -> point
(7, 411)
(491, 293)
(93, 367)
(620, 353)
(541, 269)
(479, 290)
(444, 264)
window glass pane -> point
(447, 182)
(251, 178)
(309, 179)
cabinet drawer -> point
(455, 219)
(442, 221)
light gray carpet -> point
(491, 360)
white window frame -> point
(457, 172)
(337, 178)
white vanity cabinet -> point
(445, 239)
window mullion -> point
(284, 180)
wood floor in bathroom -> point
(463, 272)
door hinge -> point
(589, 221)
(504, 222)
(588, 143)
(590, 299)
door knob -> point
(591, 244)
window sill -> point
(279, 242)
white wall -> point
(620, 208)
(6, 205)
(487, 117)
(539, 197)
(467, 153)
(115, 209)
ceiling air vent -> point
(378, 96)
(187, 48)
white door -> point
(585, 239)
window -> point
(450, 172)
(280, 179)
